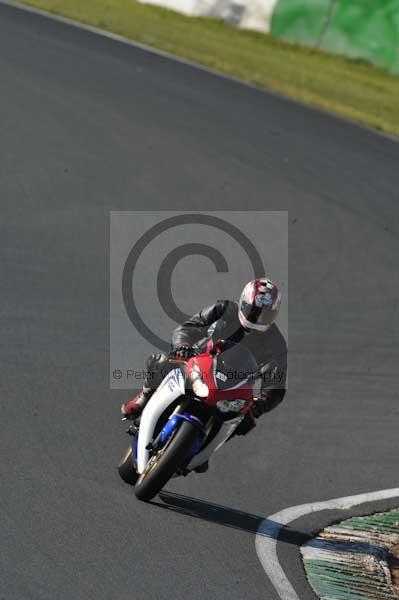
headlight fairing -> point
(200, 388)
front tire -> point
(162, 466)
(127, 468)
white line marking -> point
(184, 61)
(266, 536)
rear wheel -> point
(160, 468)
(127, 469)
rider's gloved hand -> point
(261, 405)
(183, 352)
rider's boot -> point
(202, 468)
(134, 408)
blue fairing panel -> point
(134, 446)
(173, 422)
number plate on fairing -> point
(226, 406)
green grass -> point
(353, 89)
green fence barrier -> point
(366, 29)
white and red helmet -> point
(259, 304)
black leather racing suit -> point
(220, 321)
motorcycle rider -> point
(249, 322)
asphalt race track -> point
(89, 125)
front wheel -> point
(160, 468)
(127, 468)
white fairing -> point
(171, 388)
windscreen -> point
(235, 366)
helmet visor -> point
(254, 315)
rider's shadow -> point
(229, 517)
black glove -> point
(245, 426)
(183, 352)
(261, 406)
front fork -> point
(133, 431)
(181, 413)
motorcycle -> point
(194, 411)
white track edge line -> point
(266, 536)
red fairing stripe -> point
(205, 363)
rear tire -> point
(175, 455)
(127, 469)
